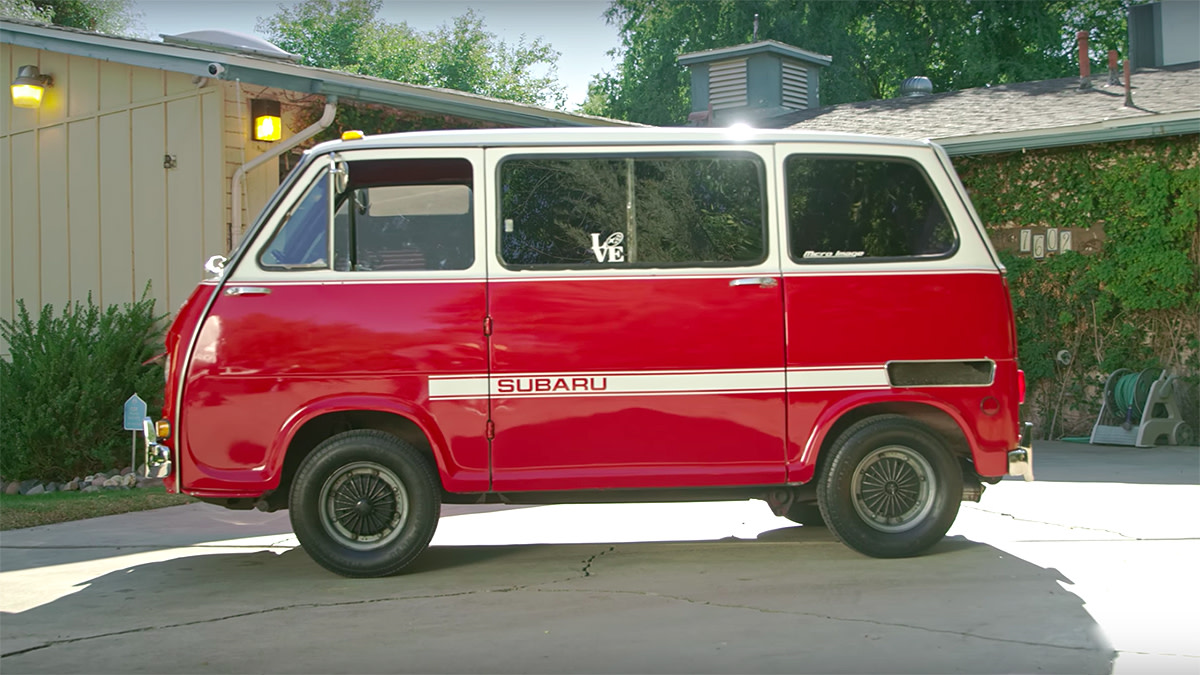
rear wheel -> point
(365, 503)
(890, 489)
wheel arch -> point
(321, 419)
(944, 421)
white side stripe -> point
(655, 383)
(865, 377)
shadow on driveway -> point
(791, 601)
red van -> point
(594, 315)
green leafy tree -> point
(875, 45)
(348, 35)
(102, 16)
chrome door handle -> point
(762, 282)
(248, 290)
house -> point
(124, 173)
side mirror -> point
(341, 176)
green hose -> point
(1129, 394)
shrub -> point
(64, 385)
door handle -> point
(248, 290)
(761, 282)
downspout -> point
(239, 176)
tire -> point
(805, 513)
(890, 489)
(365, 503)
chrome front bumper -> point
(157, 456)
(1020, 461)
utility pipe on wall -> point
(239, 176)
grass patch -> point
(18, 511)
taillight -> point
(1020, 386)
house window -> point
(852, 209)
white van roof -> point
(579, 136)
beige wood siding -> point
(261, 183)
(86, 203)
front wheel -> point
(890, 489)
(365, 504)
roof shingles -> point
(1024, 106)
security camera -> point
(215, 69)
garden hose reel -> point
(1142, 409)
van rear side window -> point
(849, 209)
(646, 211)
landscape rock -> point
(12, 488)
(149, 482)
(129, 480)
(126, 471)
(36, 490)
(27, 485)
(71, 486)
(52, 487)
(113, 482)
(98, 481)
(90, 488)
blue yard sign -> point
(135, 412)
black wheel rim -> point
(363, 505)
(893, 488)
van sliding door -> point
(636, 312)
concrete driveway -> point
(1090, 569)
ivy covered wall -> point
(1131, 299)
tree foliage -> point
(875, 45)
(115, 17)
(348, 35)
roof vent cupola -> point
(750, 82)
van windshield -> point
(302, 242)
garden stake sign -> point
(135, 412)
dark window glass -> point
(852, 209)
(401, 215)
(302, 241)
(632, 212)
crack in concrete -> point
(587, 564)
(1069, 527)
(829, 617)
(281, 608)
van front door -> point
(636, 318)
(364, 285)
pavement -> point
(1090, 569)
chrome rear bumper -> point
(1020, 461)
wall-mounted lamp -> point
(267, 124)
(29, 86)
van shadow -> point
(792, 600)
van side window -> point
(849, 209)
(302, 241)
(646, 211)
(406, 214)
